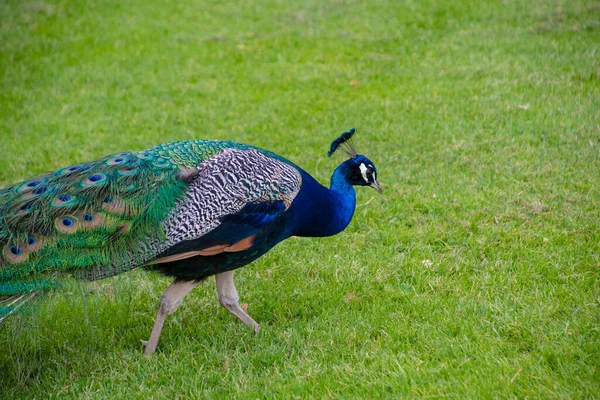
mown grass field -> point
(475, 275)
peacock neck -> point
(319, 211)
(344, 199)
(339, 184)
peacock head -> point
(359, 170)
(362, 172)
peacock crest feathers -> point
(344, 141)
(70, 219)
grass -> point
(475, 275)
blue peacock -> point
(188, 209)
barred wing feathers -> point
(234, 196)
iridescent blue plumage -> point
(187, 209)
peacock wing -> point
(235, 195)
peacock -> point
(188, 209)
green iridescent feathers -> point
(90, 218)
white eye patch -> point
(374, 173)
(363, 172)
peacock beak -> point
(375, 185)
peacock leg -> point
(228, 297)
(169, 302)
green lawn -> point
(475, 275)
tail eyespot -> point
(66, 224)
(14, 253)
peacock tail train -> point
(94, 219)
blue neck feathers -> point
(318, 211)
